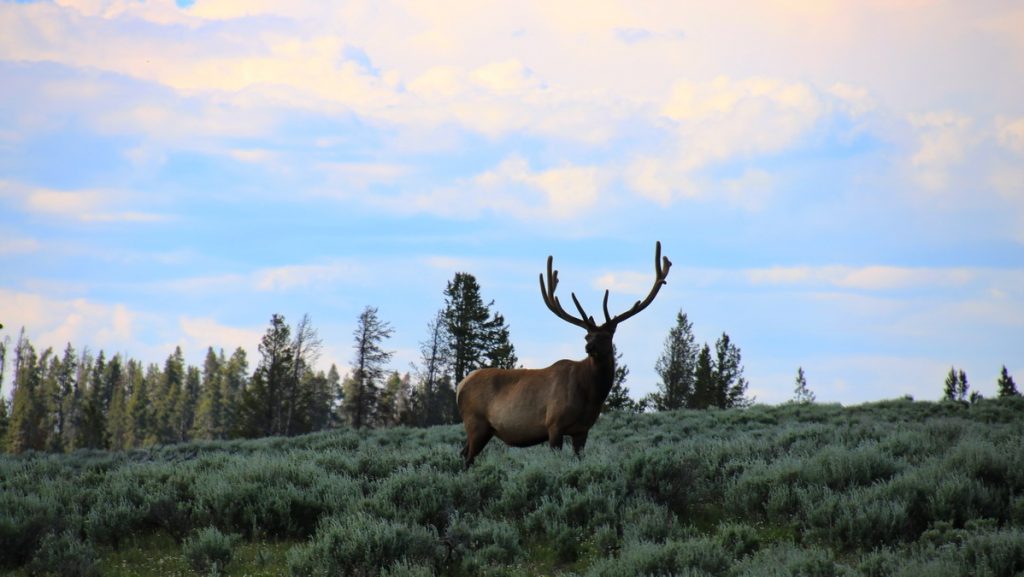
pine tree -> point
(802, 394)
(618, 397)
(704, 381)
(4, 419)
(676, 366)
(956, 386)
(435, 399)
(92, 433)
(336, 398)
(1005, 385)
(209, 421)
(25, 429)
(303, 398)
(60, 385)
(185, 411)
(476, 338)
(368, 368)
(142, 418)
(730, 386)
(235, 381)
(119, 383)
(267, 396)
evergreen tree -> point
(302, 395)
(476, 338)
(209, 421)
(435, 398)
(704, 381)
(167, 400)
(676, 366)
(1005, 385)
(25, 428)
(235, 381)
(4, 420)
(318, 392)
(618, 397)
(802, 394)
(956, 386)
(119, 383)
(185, 411)
(395, 401)
(336, 398)
(60, 385)
(266, 397)
(730, 386)
(362, 397)
(92, 433)
(141, 414)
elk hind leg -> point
(477, 436)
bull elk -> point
(525, 407)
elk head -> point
(525, 407)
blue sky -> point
(840, 185)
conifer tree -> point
(704, 382)
(235, 381)
(209, 421)
(618, 397)
(4, 420)
(1005, 385)
(119, 383)
(92, 433)
(730, 385)
(676, 366)
(363, 393)
(25, 428)
(435, 398)
(801, 393)
(476, 338)
(956, 386)
(60, 384)
(266, 398)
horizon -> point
(839, 186)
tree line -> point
(77, 399)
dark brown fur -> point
(526, 407)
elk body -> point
(525, 407)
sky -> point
(839, 185)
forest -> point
(895, 488)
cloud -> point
(59, 321)
(200, 333)
(511, 189)
(943, 139)
(95, 206)
(1010, 133)
(291, 277)
(870, 278)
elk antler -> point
(551, 301)
(661, 266)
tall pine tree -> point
(477, 339)
(266, 398)
(677, 367)
(435, 398)
(1005, 385)
(363, 392)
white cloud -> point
(80, 205)
(1010, 133)
(288, 278)
(200, 333)
(943, 140)
(872, 278)
(59, 321)
(512, 189)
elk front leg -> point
(578, 442)
(555, 437)
(477, 436)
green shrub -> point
(362, 545)
(64, 555)
(209, 551)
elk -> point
(526, 407)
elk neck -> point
(602, 365)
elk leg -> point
(555, 437)
(476, 439)
(578, 442)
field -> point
(892, 488)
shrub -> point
(208, 552)
(64, 555)
(359, 544)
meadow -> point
(898, 488)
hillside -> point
(892, 488)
